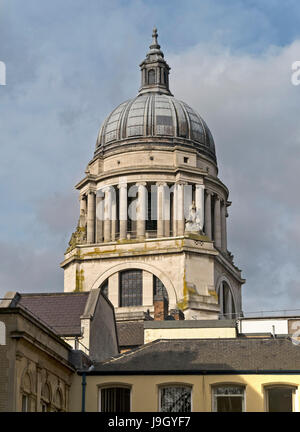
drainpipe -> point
(83, 383)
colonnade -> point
(109, 210)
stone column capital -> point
(122, 185)
(208, 192)
(141, 184)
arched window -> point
(114, 399)
(58, 400)
(159, 288)
(175, 398)
(46, 398)
(280, 398)
(26, 392)
(131, 288)
(151, 76)
(228, 398)
(226, 302)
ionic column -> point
(99, 216)
(207, 221)
(113, 213)
(180, 209)
(223, 226)
(199, 198)
(107, 214)
(160, 209)
(91, 217)
(166, 209)
(175, 210)
(217, 222)
(141, 210)
(123, 210)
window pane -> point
(228, 398)
(229, 404)
(115, 399)
(280, 399)
(131, 288)
(159, 288)
(175, 399)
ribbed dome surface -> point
(161, 117)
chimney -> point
(161, 306)
(177, 314)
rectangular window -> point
(228, 398)
(131, 288)
(280, 399)
(175, 399)
(115, 399)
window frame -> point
(173, 384)
(114, 385)
(121, 273)
(227, 384)
(271, 386)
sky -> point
(69, 63)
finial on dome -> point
(154, 39)
(155, 70)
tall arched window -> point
(159, 288)
(151, 76)
(226, 302)
(46, 398)
(131, 288)
(58, 400)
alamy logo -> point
(295, 78)
(2, 73)
(2, 333)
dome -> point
(155, 115)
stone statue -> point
(79, 236)
(193, 221)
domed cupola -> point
(155, 116)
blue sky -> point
(70, 62)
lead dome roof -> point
(155, 116)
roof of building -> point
(60, 311)
(130, 333)
(188, 356)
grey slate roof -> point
(206, 356)
(130, 334)
(60, 311)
